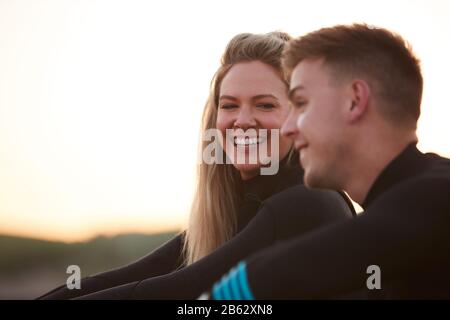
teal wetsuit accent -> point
(234, 286)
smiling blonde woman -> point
(248, 94)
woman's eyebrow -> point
(261, 96)
(227, 97)
(257, 97)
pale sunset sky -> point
(100, 100)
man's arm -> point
(405, 232)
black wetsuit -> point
(405, 231)
(289, 213)
(168, 257)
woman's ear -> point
(360, 93)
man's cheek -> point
(301, 121)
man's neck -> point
(369, 162)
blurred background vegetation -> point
(31, 267)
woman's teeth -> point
(247, 141)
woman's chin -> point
(248, 171)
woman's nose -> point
(245, 119)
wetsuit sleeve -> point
(405, 232)
(292, 212)
(164, 259)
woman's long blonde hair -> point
(213, 216)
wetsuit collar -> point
(263, 186)
(404, 166)
(259, 188)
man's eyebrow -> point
(293, 90)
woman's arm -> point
(164, 259)
(293, 212)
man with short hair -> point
(356, 92)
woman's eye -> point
(266, 106)
(228, 106)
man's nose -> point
(289, 128)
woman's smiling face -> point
(252, 96)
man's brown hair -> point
(380, 57)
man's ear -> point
(360, 93)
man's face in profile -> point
(320, 103)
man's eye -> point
(228, 106)
(299, 104)
(266, 106)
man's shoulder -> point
(438, 167)
(428, 190)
